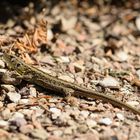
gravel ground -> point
(94, 44)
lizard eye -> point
(18, 65)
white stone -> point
(24, 101)
(2, 71)
(122, 56)
(33, 92)
(63, 59)
(6, 114)
(57, 132)
(105, 121)
(138, 73)
(69, 23)
(49, 34)
(120, 116)
(17, 115)
(3, 123)
(14, 96)
(84, 113)
(138, 23)
(109, 82)
(56, 112)
(2, 64)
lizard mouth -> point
(6, 58)
(9, 60)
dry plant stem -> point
(33, 75)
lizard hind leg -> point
(67, 92)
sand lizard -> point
(38, 77)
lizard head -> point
(14, 63)
(9, 60)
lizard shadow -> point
(26, 89)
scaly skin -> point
(38, 77)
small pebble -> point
(28, 113)
(64, 117)
(24, 101)
(122, 56)
(105, 121)
(18, 121)
(39, 112)
(17, 115)
(84, 113)
(3, 123)
(110, 82)
(57, 132)
(79, 80)
(20, 136)
(53, 100)
(137, 22)
(82, 128)
(67, 24)
(49, 34)
(1, 104)
(68, 131)
(78, 66)
(138, 73)
(2, 64)
(25, 129)
(49, 60)
(92, 25)
(32, 92)
(2, 71)
(10, 23)
(71, 122)
(39, 134)
(56, 112)
(11, 106)
(91, 123)
(51, 128)
(6, 114)
(63, 59)
(120, 116)
(14, 97)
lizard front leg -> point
(67, 91)
(11, 77)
